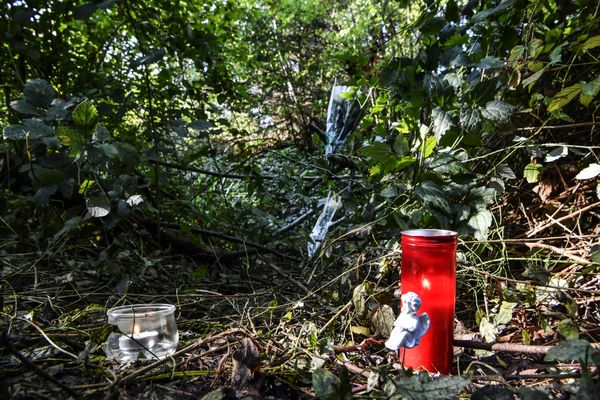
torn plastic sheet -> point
(332, 203)
(343, 116)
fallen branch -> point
(507, 347)
(555, 221)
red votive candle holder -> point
(429, 270)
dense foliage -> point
(133, 130)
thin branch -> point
(208, 172)
(555, 221)
(557, 127)
(219, 235)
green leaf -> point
(564, 97)
(588, 91)
(589, 172)
(86, 186)
(591, 43)
(532, 172)
(85, 116)
(50, 177)
(22, 106)
(423, 387)
(442, 122)
(568, 329)
(37, 128)
(498, 111)
(14, 132)
(480, 223)
(430, 144)
(569, 350)
(109, 150)
(433, 196)
(70, 224)
(505, 313)
(531, 80)
(42, 195)
(38, 93)
(327, 386)
(470, 119)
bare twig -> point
(571, 215)
(557, 250)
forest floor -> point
(260, 329)
(271, 325)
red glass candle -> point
(429, 270)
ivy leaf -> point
(327, 386)
(564, 97)
(591, 43)
(434, 196)
(532, 172)
(470, 119)
(569, 350)
(423, 387)
(85, 115)
(442, 122)
(589, 90)
(568, 329)
(589, 172)
(505, 171)
(505, 313)
(498, 111)
(480, 223)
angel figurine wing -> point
(408, 327)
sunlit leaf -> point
(442, 122)
(564, 97)
(498, 111)
(14, 132)
(98, 206)
(85, 115)
(532, 172)
(591, 43)
(480, 223)
(589, 172)
(589, 90)
(470, 119)
(135, 200)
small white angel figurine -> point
(408, 327)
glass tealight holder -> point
(144, 330)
